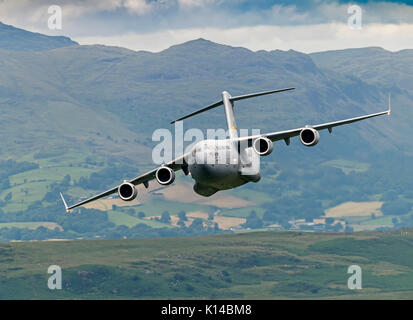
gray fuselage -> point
(220, 165)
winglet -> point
(64, 202)
(389, 111)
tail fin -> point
(232, 99)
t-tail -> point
(228, 103)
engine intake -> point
(309, 137)
(127, 191)
(165, 175)
(263, 146)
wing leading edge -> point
(180, 162)
(287, 134)
(177, 164)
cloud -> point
(162, 14)
(287, 14)
(33, 11)
(320, 37)
(137, 6)
(189, 4)
(156, 24)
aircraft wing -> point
(286, 135)
(177, 164)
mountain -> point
(390, 70)
(16, 39)
(142, 91)
(85, 115)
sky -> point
(154, 25)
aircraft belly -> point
(219, 176)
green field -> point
(121, 218)
(256, 265)
(348, 166)
(29, 225)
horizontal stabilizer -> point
(257, 94)
(232, 99)
(211, 106)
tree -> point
(348, 229)
(8, 196)
(66, 180)
(397, 207)
(6, 184)
(165, 218)
(51, 196)
(390, 195)
(253, 214)
(253, 221)
(269, 216)
(141, 215)
(197, 224)
(182, 216)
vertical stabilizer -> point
(229, 114)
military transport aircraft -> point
(231, 158)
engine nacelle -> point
(263, 146)
(127, 191)
(165, 175)
(309, 137)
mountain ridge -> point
(16, 39)
(189, 75)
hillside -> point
(390, 72)
(263, 265)
(79, 119)
(119, 89)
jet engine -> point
(165, 175)
(263, 146)
(309, 137)
(127, 191)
